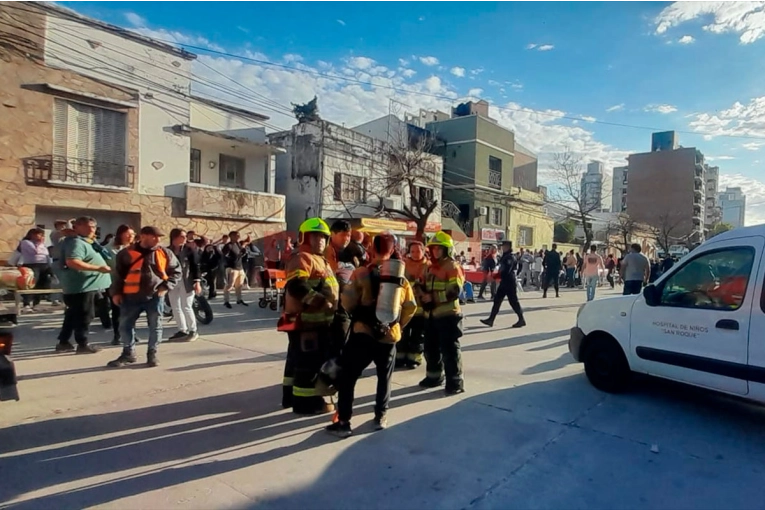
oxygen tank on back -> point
(391, 286)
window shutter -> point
(338, 186)
(60, 128)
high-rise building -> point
(619, 189)
(732, 202)
(596, 188)
(712, 214)
(667, 188)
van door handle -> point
(727, 324)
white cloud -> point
(340, 22)
(744, 18)
(458, 71)
(515, 85)
(476, 92)
(719, 158)
(243, 29)
(181, 38)
(292, 57)
(752, 146)
(135, 20)
(615, 108)
(421, 18)
(361, 62)
(403, 62)
(738, 120)
(587, 118)
(539, 47)
(686, 39)
(660, 108)
(429, 61)
(755, 195)
(476, 72)
(407, 73)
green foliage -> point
(564, 231)
(720, 228)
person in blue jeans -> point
(143, 274)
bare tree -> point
(668, 229)
(567, 189)
(623, 228)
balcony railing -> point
(61, 170)
(495, 179)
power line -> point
(444, 97)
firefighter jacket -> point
(360, 300)
(331, 255)
(442, 281)
(311, 292)
(415, 272)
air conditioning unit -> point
(389, 203)
(483, 211)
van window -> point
(715, 280)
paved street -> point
(205, 429)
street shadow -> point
(217, 364)
(535, 450)
(553, 345)
(65, 450)
(526, 309)
(513, 341)
(548, 366)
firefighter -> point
(409, 350)
(381, 303)
(311, 297)
(439, 292)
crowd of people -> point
(350, 299)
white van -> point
(701, 323)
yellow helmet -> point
(314, 225)
(442, 239)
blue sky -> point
(687, 66)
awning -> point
(377, 225)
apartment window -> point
(195, 171)
(89, 144)
(231, 171)
(525, 236)
(496, 216)
(349, 188)
(423, 194)
(495, 172)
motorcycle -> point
(202, 309)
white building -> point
(596, 187)
(109, 129)
(619, 187)
(335, 172)
(732, 201)
(712, 211)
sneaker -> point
(151, 359)
(381, 422)
(521, 323)
(87, 349)
(56, 302)
(227, 304)
(193, 335)
(487, 322)
(429, 382)
(240, 302)
(116, 340)
(28, 309)
(179, 335)
(64, 347)
(124, 359)
(341, 429)
(450, 391)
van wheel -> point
(606, 366)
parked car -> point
(696, 324)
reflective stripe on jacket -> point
(314, 273)
(443, 280)
(132, 284)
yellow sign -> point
(381, 225)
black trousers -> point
(339, 331)
(212, 278)
(412, 343)
(307, 352)
(77, 317)
(115, 316)
(442, 349)
(491, 282)
(551, 277)
(359, 352)
(43, 276)
(509, 290)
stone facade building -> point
(99, 121)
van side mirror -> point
(651, 295)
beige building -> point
(529, 226)
(81, 136)
(666, 189)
